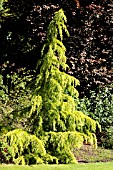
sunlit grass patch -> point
(90, 166)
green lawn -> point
(93, 166)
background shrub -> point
(107, 140)
(99, 106)
(14, 96)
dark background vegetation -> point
(89, 47)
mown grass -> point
(90, 166)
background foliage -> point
(89, 47)
(100, 107)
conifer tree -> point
(53, 112)
(53, 118)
